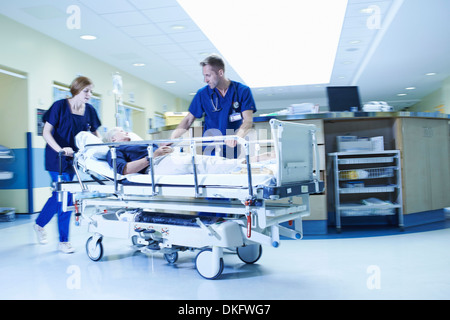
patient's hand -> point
(161, 151)
(165, 144)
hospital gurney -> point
(162, 213)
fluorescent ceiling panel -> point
(273, 43)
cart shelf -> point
(374, 189)
(360, 176)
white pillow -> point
(134, 137)
(85, 138)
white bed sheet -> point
(233, 179)
(94, 160)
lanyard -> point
(215, 105)
(235, 104)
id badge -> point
(235, 117)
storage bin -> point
(174, 118)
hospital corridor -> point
(382, 265)
(239, 151)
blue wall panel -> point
(19, 167)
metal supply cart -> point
(367, 184)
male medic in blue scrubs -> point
(227, 106)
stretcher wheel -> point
(134, 241)
(206, 266)
(171, 258)
(250, 253)
(94, 250)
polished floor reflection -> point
(381, 265)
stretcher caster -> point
(134, 241)
(208, 265)
(171, 258)
(94, 248)
(250, 253)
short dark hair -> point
(214, 61)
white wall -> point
(44, 60)
(438, 100)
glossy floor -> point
(379, 264)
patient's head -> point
(117, 134)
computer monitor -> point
(343, 98)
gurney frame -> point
(250, 218)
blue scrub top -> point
(128, 153)
(65, 127)
(217, 123)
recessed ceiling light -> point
(192, 93)
(171, 81)
(288, 20)
(401, 94)
(178, 27)
(431, 74)
(88, 37)
(411, 88)
(368, 10)
(138, 64)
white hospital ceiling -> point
(385, 46)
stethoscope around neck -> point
(235, 100)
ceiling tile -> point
(189, 37)
(154, 40)
(167, 26)
(161, 49)
(200, 47)
(123, 19)
(126, 56)
(142, 30)
(177, 55)
(107, 6)
(166, 14)
(354, 9)
(45, 12)
(147, 4)
(182, 62)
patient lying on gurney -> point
(134, 159)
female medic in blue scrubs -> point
(227, 106)
(63, 121)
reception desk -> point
(422, 138)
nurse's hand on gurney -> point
(67, 151)
(231, 143)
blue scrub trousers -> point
(53, 206)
